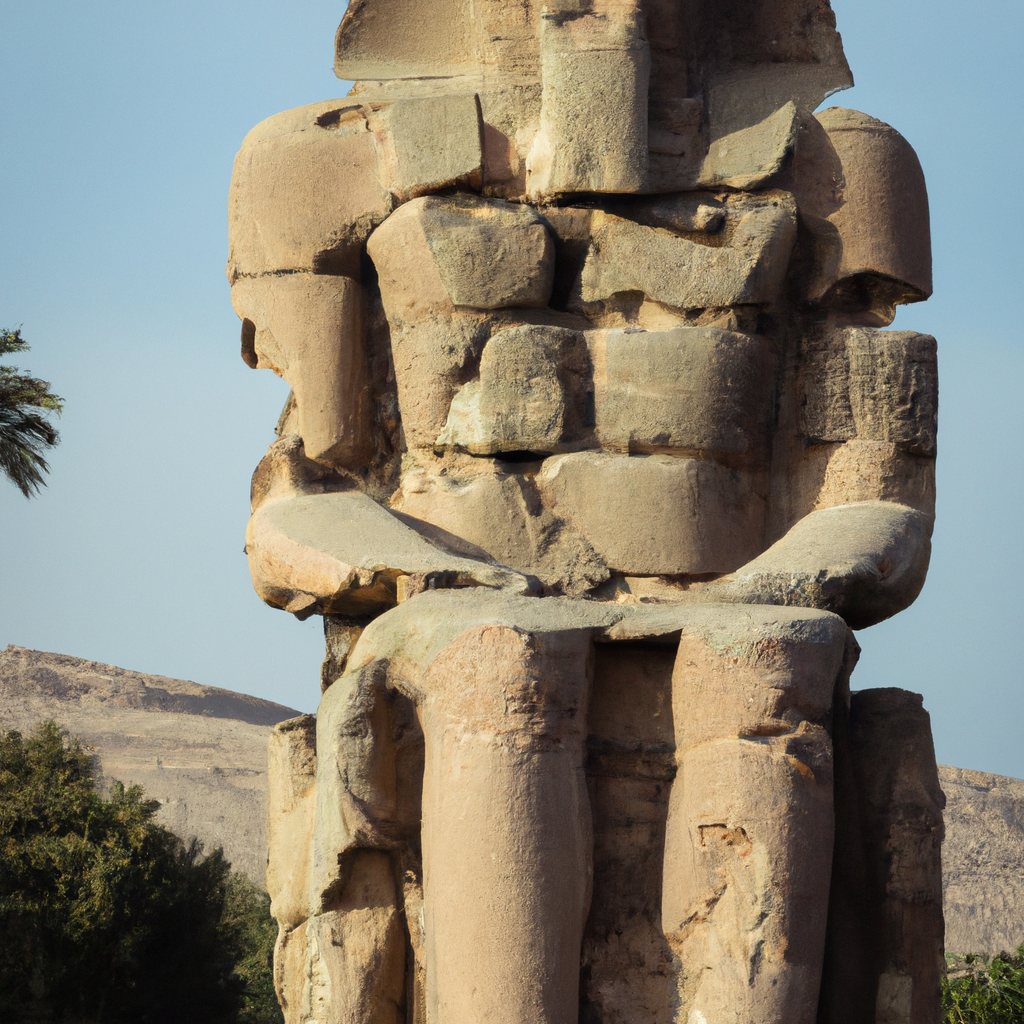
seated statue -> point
(594, 457)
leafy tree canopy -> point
(25, 432)
(105, 916)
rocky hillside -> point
(202, 753)
(199, 750)
(983, 861)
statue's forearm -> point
(865, 561)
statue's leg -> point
(291, 785)
(748, 848)
(338, 825)
(506, 826)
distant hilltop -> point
(983, 861)
(202, 752)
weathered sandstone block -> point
(311, 184)
(366, 984)
(305, 194)
(677, 271)
(627, 968)
(493, 513)
(893, 939)
(530, 394)
(489, 254)
(411, 39)
(593, 130)
(692, 388)
(291, 781)
(432, 359)
(871, 385)
(309, 328)
(883, 219)
(876, 470)
(656, 514)
(747, 865)
(864, 561)
(342, 553)
(506, 826)
(462, 251)
(428, 143)
(745, 155)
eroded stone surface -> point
(487, 254)
(680, 272)
(865, 561)
(530, 395)
(691, 389)
(499, 515)
(429, 143)
(343, 553)
(901, 819)
(883, 219)
(871, 385)
(304, 192)
(309, 328)
(656, 514)
(627, 969)
(432, 359)
(586, 357)
(595, 69)
(291, 786)
(746, 156)
(742, 863)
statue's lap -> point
(554, 735)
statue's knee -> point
(505, 680)
(755, 670)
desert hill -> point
(201, 751)
(983, 861)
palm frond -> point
(24, 434)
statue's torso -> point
(587, 378)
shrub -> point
(978, 990)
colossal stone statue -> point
(595, 455)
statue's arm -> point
(856, 490)
(865, 561)
(317, 544)
(853, 493)
(309, 187)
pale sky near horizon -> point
(118, 124)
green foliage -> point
(248, 928)
(24, 432)
(977, 990)
(105, 916)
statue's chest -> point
(687, 390)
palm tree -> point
(24, 433)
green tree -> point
(979, 990)
(25, 432)
(246, 925)
(105, 916)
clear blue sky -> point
(118, 125)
